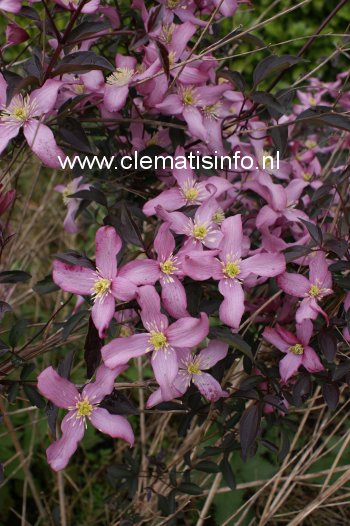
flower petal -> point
(215, 352)
(209, 387)
(149, 301)
(108, 244)
(104, 383)
(123, 289)
(59, 453)
(141, 271)
(188, 332)
(102, 313)
(165, 368)
(273, 337)
(174, 298)
(44, 98)
(42, 141)
(311, 361)
(73, 278)
(120, 350)
(231, 243)
(268, 265)
(293, 284)
(289, 365)
(6, 134)
(115, 426)
(232, 308)
(59, 390)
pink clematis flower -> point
(188, 190)
(311, 290)
(191, 103)
(161, 339)
(297, 349)
(22, 113)
(104, 283)
(72, 204)
(231, 270)
(81, 406)
(192, 369)
(202, 230)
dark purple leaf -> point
(271, 65)
(92, 349)
(328, 344)
(249, 428)
(330, 393)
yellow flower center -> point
(188, 96)
(19, 109)
(218, 217)
(307, 176)
(231, 269)
(314, 291)
(66, 192)
(266, 159)
(310, 144)
(212, 110)
(200, 231)
(191, 194)
(297, 349)
(312, 101)
(120, 77)
(173, 3)
(79, 89)
(193, 368)
(84, 408)
(101, 287)
(167, 267)
(158, 340)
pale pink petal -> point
(215, 352)
(232, 308)
(164, 242)
(266, 217)
(178, 222)
(311, 361)
(188, 332)
(141, 271)
(268, 265)
(102, 312)
(7, 133)
(209, 387)
(231, 243)
(73, 278)
(171, 105)
(120, 350)
(3, 91)
(59, 453)
(60, 391)
(44, 99)
(201, 266)
(41, 140)
(165, 368)
(115, 97)
(289, 365)
(194, 119)
(319, 273)
(104, 383)
(123, 289)
(11, 6)
(108, 244)
(273, 337)
(304, 331)
(174, 298)
(170, 200)
(294, 284)
(115, 426)
(149, 301)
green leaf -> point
(190, 488)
